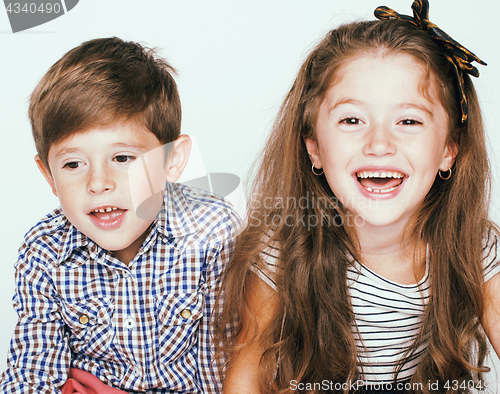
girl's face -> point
(379, 141)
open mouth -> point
(380, 181)
(107, 214)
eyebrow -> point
(125, 145)
(345, 101)
(66, 151)
(416, 106)
(116, 145)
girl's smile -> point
(379, 182)
(380, 140)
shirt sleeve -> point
(491, 261)
(39, 357)
(209, 367)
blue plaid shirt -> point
(142, 327)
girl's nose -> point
(379, 141)
(101, 180)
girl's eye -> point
(351, 121)
(409, 122)
(124, 158)
(72, 165)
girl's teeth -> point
(379, 174)
(381, 190)
(388, 190)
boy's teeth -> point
(108, 209)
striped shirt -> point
(388, 315)
(142, 327)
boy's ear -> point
(46, 174)
(178, 157)
(312, 149)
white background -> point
(236, 61)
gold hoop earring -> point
(444, 178)
(316, 173)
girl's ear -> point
(178, 159)
(312, 149)
(450, 153)
(46, 174)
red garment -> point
(81, 382)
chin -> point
(381, 220)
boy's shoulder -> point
(51, 238)
(49, 224)
(207, 215)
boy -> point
(114, 290)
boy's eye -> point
(351, 121)
(72, 165)
(124, 158)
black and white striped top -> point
(388, 315)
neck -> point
(128, 254)
(389, 252)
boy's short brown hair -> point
(102, 82)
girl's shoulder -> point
(490, 257)
(267, 265)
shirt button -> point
(126, 274)
(130, 323)
(137, 372)
(186, 313)
(84, 319)
(55, 221)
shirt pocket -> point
(178, 319)
(90, 325)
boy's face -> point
(97, 175)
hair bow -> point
(459, 56)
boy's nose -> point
(380, 141)
(100, 181)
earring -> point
(317, 173)
(445, 177)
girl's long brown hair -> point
(310, 338)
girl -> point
(368, 257)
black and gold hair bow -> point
(459, 56)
